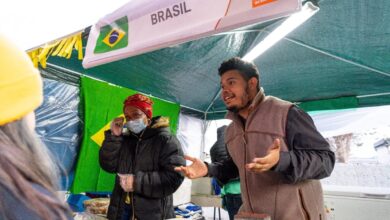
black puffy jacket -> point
(151, 157)
(219, 153)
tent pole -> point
(212, 103)
(373, 95)
(205, 126)
(64, 69)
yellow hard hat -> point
(20, 83)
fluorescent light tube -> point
(280, 32)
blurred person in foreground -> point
(27, 173)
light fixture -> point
(308, 10)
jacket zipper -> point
(245, 161)
(132, 194)
(163, 208)
(250, 115)
(132, 207)
(133, 164)
(237, 119)
(246, 177)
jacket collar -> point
(158, 125)
(257, 100)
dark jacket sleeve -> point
(109, 152)
(224, 170)
(218, 151)
(165, 181)
(219, 155)
(309, 155)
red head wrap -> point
(141, 102)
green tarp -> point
(102, 103)
(330, 104)
(342, 51)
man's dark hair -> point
(246, 69)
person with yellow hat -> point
(27, 174)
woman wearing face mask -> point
(27, 173)
(143, 153)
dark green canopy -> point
(340, 58)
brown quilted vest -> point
(268, 192)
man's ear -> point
(253, 83)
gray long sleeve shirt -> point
(305, 145)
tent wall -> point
(58, 125)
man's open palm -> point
(266, 163)
(196, 170)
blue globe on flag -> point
(113, 37)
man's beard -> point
(246, 102)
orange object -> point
(258, 3)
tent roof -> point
(341, 52)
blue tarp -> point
(59, 126)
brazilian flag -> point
(113, 36)
(102, 103)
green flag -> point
(113, 36)
(102, 103)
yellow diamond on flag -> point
(98, 137)
(114, 36)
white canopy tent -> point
(351, 120)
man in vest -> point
(278, 152)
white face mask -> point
(136, 126)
